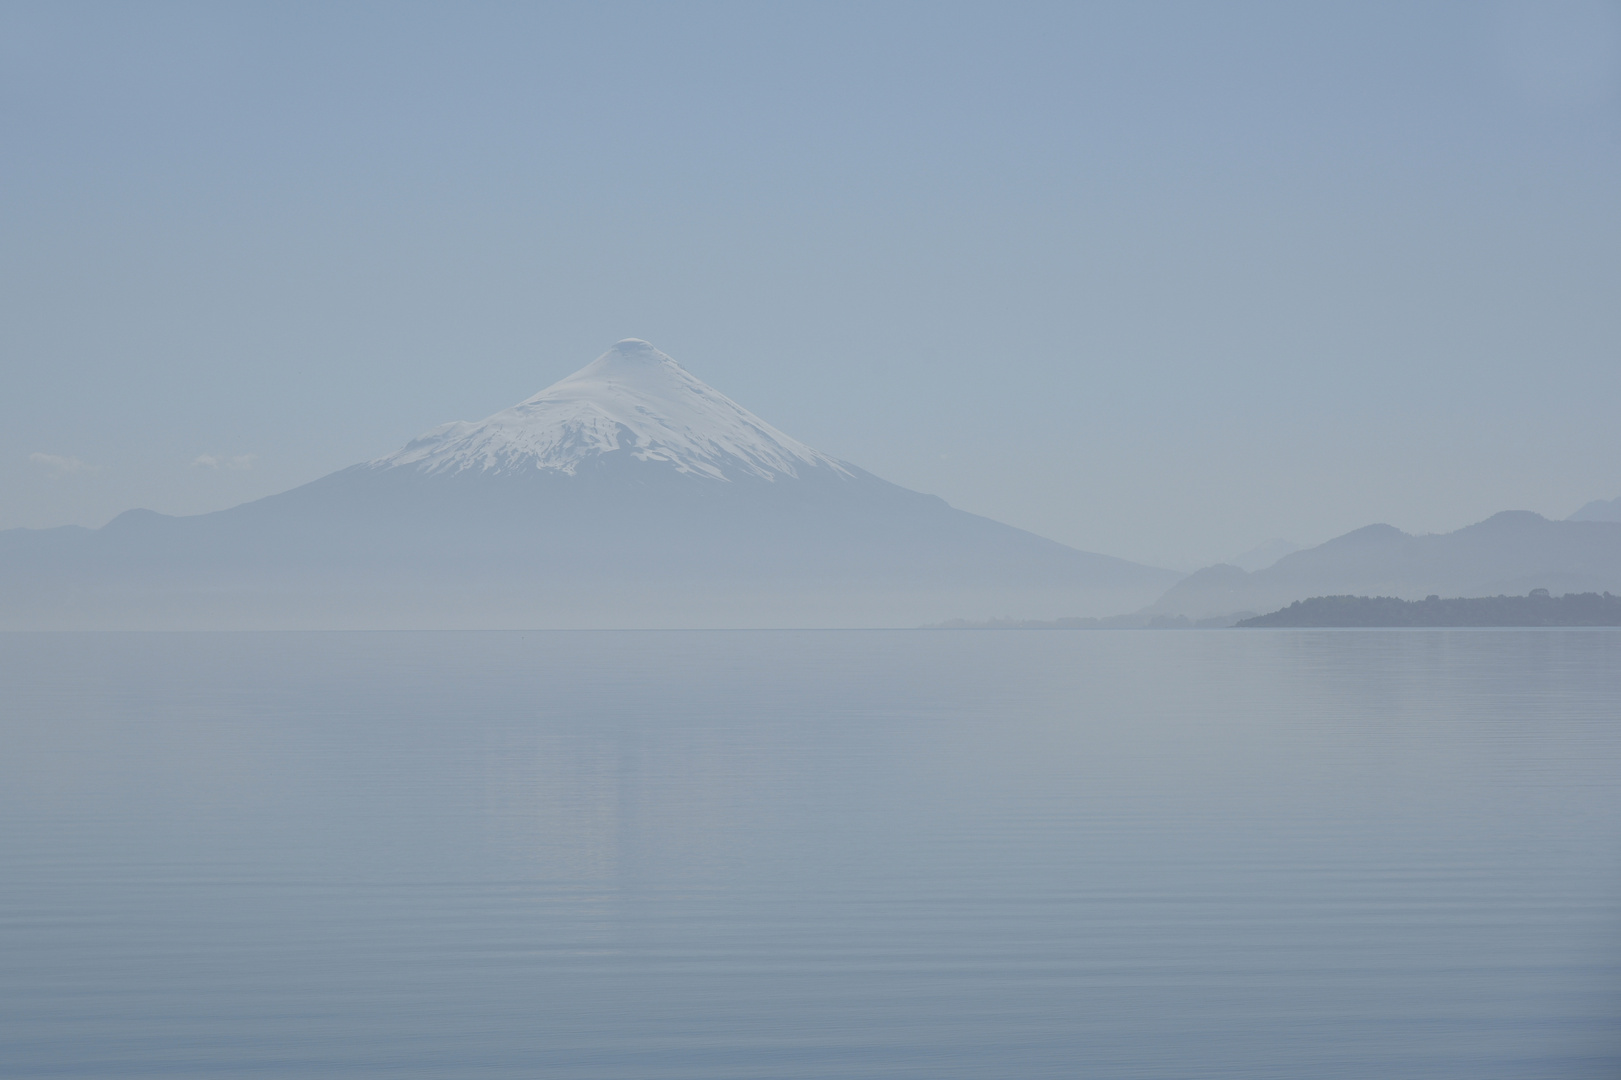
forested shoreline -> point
(1536, 609)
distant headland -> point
(1536, 609)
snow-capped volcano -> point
(629, 494)
(633, 399)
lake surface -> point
(995, 854)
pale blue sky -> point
(1162, 281)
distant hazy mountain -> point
(1508, 554)
(1263, 555)
(629, 494)
(1599, 510)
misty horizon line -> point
(633, 493)
(244, 462)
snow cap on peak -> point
(634, 400)
(632, 354)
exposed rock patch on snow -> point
(634, 399)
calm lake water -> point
(996, 854)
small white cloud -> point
(59, 464)
(217, 461)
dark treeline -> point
(1536, 609)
